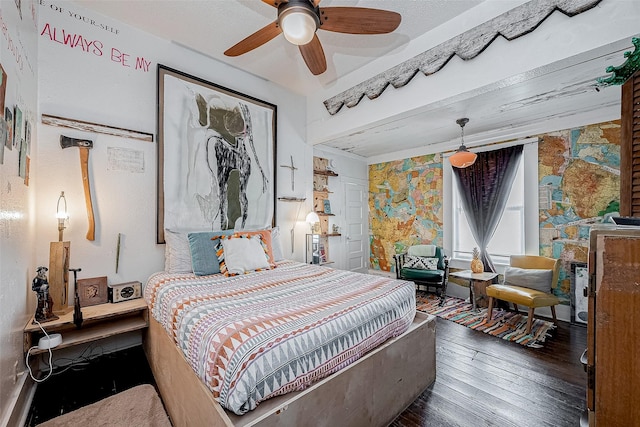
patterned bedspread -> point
(263, 334)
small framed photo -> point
(327, 206)
(579, 303)
(93, 291)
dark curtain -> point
(484, 188)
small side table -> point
(481, 280)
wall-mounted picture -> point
(579, 302)
(17, 127)
(8, 117)
(216, 155)
(4, 134)
(27, 171)
(27, 136)
(22, 160)
(3, 88)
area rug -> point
(505, 324)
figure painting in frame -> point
(216, 151)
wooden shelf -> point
(324, 214)
(330, 235)
(99, 321)
(325, 172)
(292, 199)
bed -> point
(293, 345)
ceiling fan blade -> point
(358, 20)
(313, 55)
(274, 3)
(255, 40)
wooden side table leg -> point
(473, 295)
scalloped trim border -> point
(510, 25)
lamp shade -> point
(463, 158)
(312, 218)
(298, 23)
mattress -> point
(263, 334)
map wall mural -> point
(405, 207)
(579, 183)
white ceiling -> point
(544, 95)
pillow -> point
(532, 278)
(265, 235)
(241, 254)
(422, 250)
(276, 245)
(177, 256)
(202, 247)
(420, 263)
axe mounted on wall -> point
(84, 145)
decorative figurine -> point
(40, 285)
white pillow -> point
(177, 255)
(276, 244)
(243, 255)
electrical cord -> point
(50, 358)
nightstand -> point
(99, 321)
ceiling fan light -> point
(463, 158)
(298, 25)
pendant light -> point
(462, 158)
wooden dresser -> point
(613, 330)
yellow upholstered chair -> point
(529, 280)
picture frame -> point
(8, 117)
(579, 302)
(216, 156)
(327, 206)
(3, 88)
(92, 291)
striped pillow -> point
(242, 255)
(420, 263)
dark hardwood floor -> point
(485, 381)
(480, 381)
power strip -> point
(52, 341)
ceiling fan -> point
(299, 20)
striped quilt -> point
(263, 334)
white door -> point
(356, 219)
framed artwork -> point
(8, 117)
(4, 134)
(216, 156)
(579, 303)
(17, 127)
(3, 88)
(92, 291)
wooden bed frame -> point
(372, 391)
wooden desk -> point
(99, 321)
(481, 280)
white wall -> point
(18, 56)
(92, 85)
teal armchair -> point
(426, 266)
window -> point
(509, 237)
